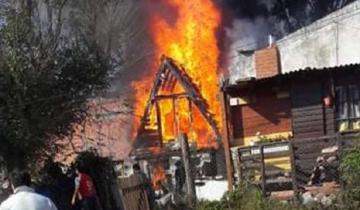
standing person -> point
(24, 197)
(85, 190)
(179, 176)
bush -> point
(101, 171)
(350, 168)
(350, 176)
(247, 198)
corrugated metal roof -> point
(296, 73)
(309, 69)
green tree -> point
(45, 82)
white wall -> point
(331, 41)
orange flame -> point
(191, 41)
(158, 176)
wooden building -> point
(303, 105)
(305, 89)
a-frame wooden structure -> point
(166, 78)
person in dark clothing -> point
(179, 176)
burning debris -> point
(174, 85)
(189, 39)
(180, 97)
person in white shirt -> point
(24, 197)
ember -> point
(190, 41)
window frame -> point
(351, 100)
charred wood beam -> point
(150, 102)
(176, 96)
(176, 121)
(158, 120)
(149, 155)
(170, 83)
(169, 72)
(194, 95)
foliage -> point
(102, 172)
(265, 139)
(243, 199)
(60, 185)
(350, 175)
(350, 168)
(45, 82)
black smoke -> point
(292, 14)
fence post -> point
(239, 170)
(293, 172)
(190, 185)
(263, 173)
(339, 143)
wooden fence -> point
(288, 165)
(307, 150)
(134, 193)
(268, 165)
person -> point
(318, 174)
(179, 176)
(85, 190)
(6, 189)
(24, 197)
(137, 172)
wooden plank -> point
(309, 156)
(190, 185)
(308, 127)
(248, 166)
(307, 108)
(159, 125)
(271, 173)
(266, 155)
(315, 139)
(309, 134)
(263, 176)
(305, 119)
(226, 142)
(279, 181)
(172, 96)
(293, 173)
(304, 114)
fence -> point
(267, 165)
(330, 148)
(288, 165)
(134, 193)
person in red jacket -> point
(85, 190)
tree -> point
(45, 82)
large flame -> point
(190, 39)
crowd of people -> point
(20, 192)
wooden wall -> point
(265, 113)
(307, 109)
(303, 112)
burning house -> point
(304, 89)
(179, 95)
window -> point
(347, 107)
